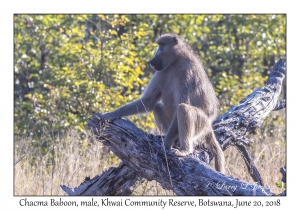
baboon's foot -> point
(180, 153)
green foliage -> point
(68, 66)
(281, 185)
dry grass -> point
(70, 160)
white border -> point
(8, 8)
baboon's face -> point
(157, 61)
(165, 53)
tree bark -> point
(143, 154)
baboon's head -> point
(167, 51)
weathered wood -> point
(144, 154)
(250, 164)
(280, 105)
(232, 127)
(240, 120)
(115, 181)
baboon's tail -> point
(217, 151)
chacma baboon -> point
(182, 98)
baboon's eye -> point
(175, 40)
(161, 46)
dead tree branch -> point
(143, 154)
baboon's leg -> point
(160, 118)
(193, 124)
(172, 134)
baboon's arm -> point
(142, 105)
(139, 106)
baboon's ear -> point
(175, 40)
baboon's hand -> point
(108, 116)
